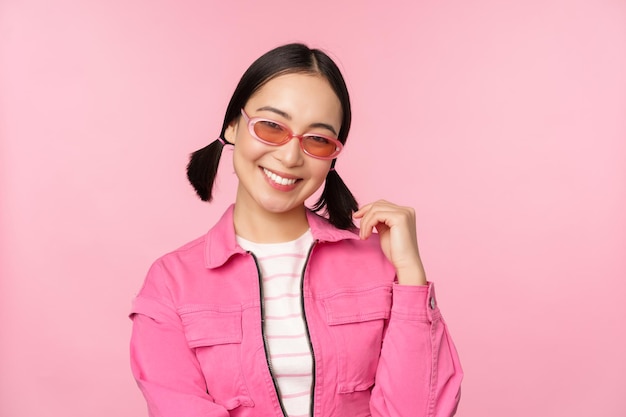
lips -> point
(279, 180)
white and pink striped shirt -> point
(281, 266)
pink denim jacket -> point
(379, 348)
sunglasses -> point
(275, 133)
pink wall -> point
(504, 125)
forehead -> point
(304, 97)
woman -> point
(276, 310)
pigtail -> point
(202, 168)
(337, 201)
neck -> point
(268, 227)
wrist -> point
(412, 275)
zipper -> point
(265, 344)
(306, 325)
(306, 328)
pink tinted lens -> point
(271, 132)
(319, 146)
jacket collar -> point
(221, 243)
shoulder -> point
(343, 242)
(171, 269)
(220, 237)
(367, 251)
(351, 263)
(190, 253)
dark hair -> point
(336, 201)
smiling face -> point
(278, 179)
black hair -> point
(336, 201)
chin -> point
(277, 208)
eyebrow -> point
(288, 117)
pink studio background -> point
(503, 123)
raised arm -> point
(419, 373)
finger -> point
(367, 207)
(361, 212)
(377, 219)
(368, 222)
(364, 209)
(381, 211)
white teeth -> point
(277, 179)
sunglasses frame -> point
(251, 121)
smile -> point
(278, 179)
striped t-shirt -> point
(281, 266)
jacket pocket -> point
(356, 319)
(215, 334)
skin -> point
(398, 238)
(267, 212)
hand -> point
(398, 238)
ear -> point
(230, 134)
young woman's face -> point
(279, 179)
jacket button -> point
(432, 303)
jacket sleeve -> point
(164, 366)
(419, 373)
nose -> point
(290, 154)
